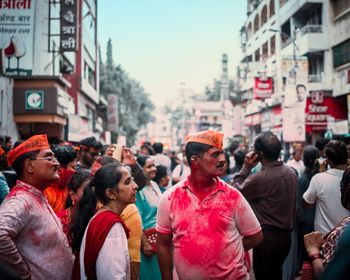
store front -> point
(41, 105)
(323, 112)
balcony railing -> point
(315, 78)
(311, 29)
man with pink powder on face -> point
(204, 225)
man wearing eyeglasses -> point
(89, 151)
(30, 233)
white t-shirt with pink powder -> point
(207, 234)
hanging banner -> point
(17, 35)
(113, 113)
(295, 93)
(263, 87)
(293, 124)
(69, 14)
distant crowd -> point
(93, 211)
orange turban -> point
(208, 137)
(34, 143)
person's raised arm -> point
(165, 257)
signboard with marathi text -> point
(68, 42)
(16, 36)
(263, 87)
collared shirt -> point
(207, 234)
(271, 193)
(324, 191)
(32, 242)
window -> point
(257, 55)
(273, 45)
(341, 54)
(91, 119)
(272, 8)
(265, 50)
(256, 23)
(89, 75)
(249, 30)
(339, 6)
(264, 15)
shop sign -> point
(34, 100)
(263, 87)
(320, 116)
(68, 19)
(17, 33)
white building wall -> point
(7, 124)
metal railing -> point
(311, 29)
(315, 78)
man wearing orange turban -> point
(30, 233)
(203, 216)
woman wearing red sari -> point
(101, 240)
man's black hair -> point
(158, 147)
(91, 142)
(336, 152)
(195, 149)
(18, 164)
(269, 145)
(299, 86)
(321, 143)
(65, 154)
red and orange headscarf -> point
(34, 143)
(208, 137)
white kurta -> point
(32, 242)
(113, 261)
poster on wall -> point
(16, 36)
(293, 124)
(295, 93)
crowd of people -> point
(78, 211)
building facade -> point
(50, 62)
(286, 44)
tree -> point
(134, 104)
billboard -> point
(263, 87)
(294, 97)
(16, 36)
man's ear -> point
(28, 165)
(194, 161)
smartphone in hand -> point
(118, 152)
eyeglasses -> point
(51, 158)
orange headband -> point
(208, 137)
(34, 143)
